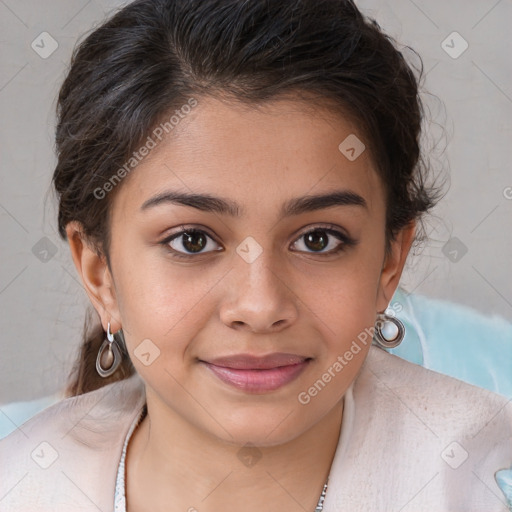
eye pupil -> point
(316, 242)
(190, 237)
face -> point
(233, 308)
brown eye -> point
(320, 239)
(188, 242)
(194, 241)
(316, 240)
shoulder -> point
(71, 449)
(441, 400)
(417, 437)
(412, 397)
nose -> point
(259, 297)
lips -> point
(258, 374)
(250, 362)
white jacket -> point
(412, 440)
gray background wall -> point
(42, 303)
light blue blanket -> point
(456, 340)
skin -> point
(289, 299)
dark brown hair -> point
(152, 56)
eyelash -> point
(346, 241)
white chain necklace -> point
(320, 504)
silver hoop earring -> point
(109, 356)
(389, 331)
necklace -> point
(320, 504)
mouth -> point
(255, 374)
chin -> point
(264, 428)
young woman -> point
(240, 184)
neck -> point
(175, 464)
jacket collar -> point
(66, 457)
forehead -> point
(255, 155)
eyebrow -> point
(295, 206)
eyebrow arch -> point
(295, 206)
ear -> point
(95, 274)
(394, 265)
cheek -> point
(163, 303)
(343, 308)
(344, 298)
